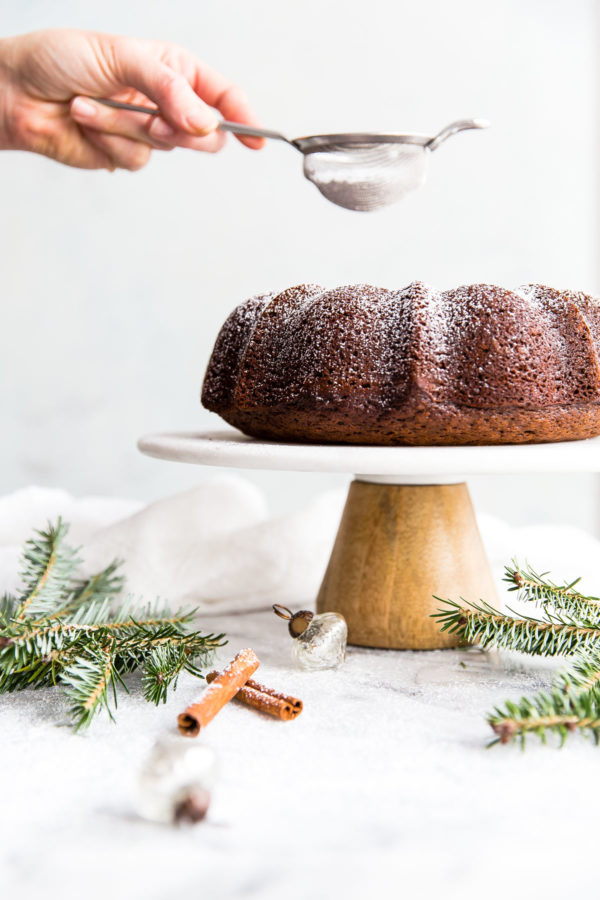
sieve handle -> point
(234, 127)
(454, 128)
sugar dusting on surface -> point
(383, 777)
(384, 784)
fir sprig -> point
(48, 565)
(100, 588)
(569, 626)
(91, 681)
(480, 623)
(8, 605)
(583, 676)
(549, 596)
(556, 712)
(80, 635)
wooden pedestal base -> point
(397, 546)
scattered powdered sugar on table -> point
(381, 788)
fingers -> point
(180, 105)
(230, 100)
(71, 150)
(184, 89)
(122, 152)
(151, 130)
(89, 114)
(48, 130)
(165, 137)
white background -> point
(114, 286)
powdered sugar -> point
(367, 177)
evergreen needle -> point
(569, 626)
(48, 566)
(559, 598)
(482, 624)
(79, 635)
(555, 712)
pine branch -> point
(77, 634)
(583, 677)
(8, 606)
(93, 612)
(570, 626)
(483, 625)
(100, 588)
(162, 667)
(561, 598)
(51, 634)
(90, 681)
(556, 712)
(48, 564)
(22, 647)
(137, 650)
(165, 662)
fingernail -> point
(83, 109)
(161, 129)
(199, 126)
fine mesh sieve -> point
(366, 176)
(359, 171)
(368, 171)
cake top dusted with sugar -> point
(388, 366)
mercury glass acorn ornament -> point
(319, 640)
(175, 780)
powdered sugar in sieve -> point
(364, 177)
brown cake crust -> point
(358, 364)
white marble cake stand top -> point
(402, 465)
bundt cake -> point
(360, 364)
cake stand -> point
(408, 532)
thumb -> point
(179, 104)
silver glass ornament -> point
(175, 781)
(319, 639)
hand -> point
(47, 78)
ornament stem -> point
(282, 611)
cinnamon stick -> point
(225, 686)
(265, 699)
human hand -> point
(48, 77)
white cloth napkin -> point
(216, 545)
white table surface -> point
(383, 787)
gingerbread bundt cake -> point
(360, 364)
